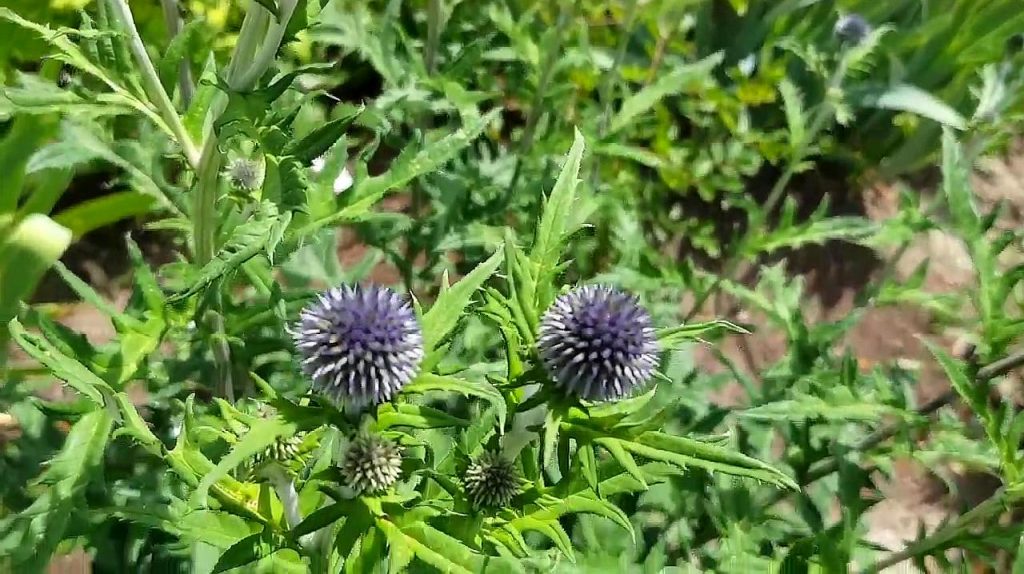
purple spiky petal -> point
(598, 343)
(359, 345)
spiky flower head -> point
(360, 345)
(491, 480)
(852, 28)
(372, 464)
(598, 343)
(281, 453)
(244, 174)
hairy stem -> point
(172, 18)
(435, 17)
(268, 50)
(151, 81)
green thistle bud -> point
(244, 174)
(372, 464)
(491, 481)
(283, 452)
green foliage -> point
(492, 155)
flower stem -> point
(992, 507)
(151, 81)
(268, 50)
(173, 20)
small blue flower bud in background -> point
(598, 343)
(852, 28)
(360, 345)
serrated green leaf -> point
(317, 142)
(262, 434)
(624, 459)
(247, 241)
(550, 529)
(445, 559)
(451, 304)
(248, 550)
(804, 407)
(908, 98)
(668, 84)
(672, 337)
(428, 382)
(415, 416)
(793, 104)
(552, 230)
(61, 366)
(32, 537)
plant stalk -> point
(435, 17)
(992, 507)
(151, 81)
(173, 20)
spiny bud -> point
(598, 343)
(372, 464)
(244, 174)
(852, 28)
(282, 453)
(359, 345)
(491, 481)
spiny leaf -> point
(908, 98)
(672, 337)
(33, 536)
(448, 558)
(428, 382)
(369, 190)
(671, 83)
(794, 107)
(451, 304)
(317, 142)
(247, 241)
(262, 434)
(552, 229)
(60, 365)
(415, 416)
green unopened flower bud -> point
(282, 453)
(372, 464)
(491, 481)
(244, 174)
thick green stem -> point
(268, 50)
(173, 21)
(151, 81)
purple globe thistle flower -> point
(852, 28)
(598, 343)
(360, 345)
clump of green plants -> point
(523, 398)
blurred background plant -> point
(725, 136)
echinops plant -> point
(516, 392)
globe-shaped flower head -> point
(491, 480)
(598, 343)
(371, 464)
(852, 28)
(360, 346)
